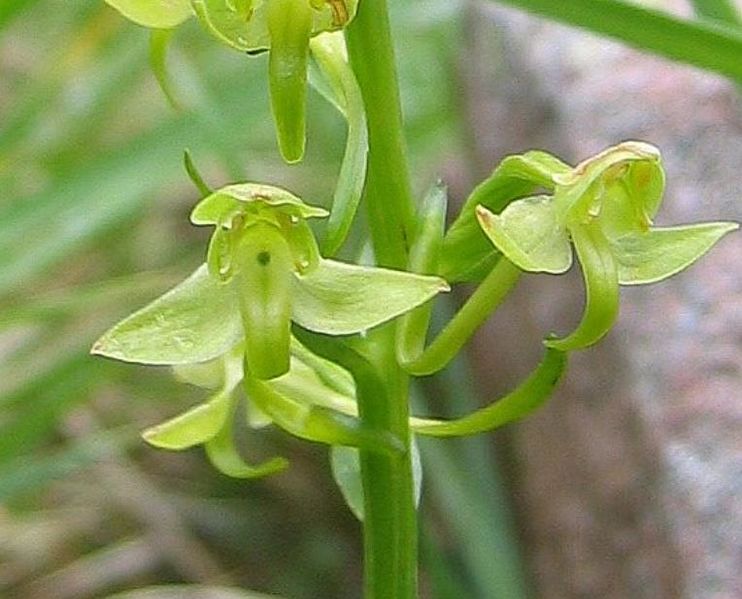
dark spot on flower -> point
(264, 258)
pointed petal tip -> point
(99, 348)
(151, 437)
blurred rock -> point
(629, 482)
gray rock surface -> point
(630, 481)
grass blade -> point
(723, 11)
(701, 44)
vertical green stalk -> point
(390, 527)
(388, 194)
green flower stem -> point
(390, 527)
(388, 194)
(460, 328)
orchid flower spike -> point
(604, 207)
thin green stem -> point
(390, 533)
(387, 479)
(700, 43)
(388, 194)
(460, 328)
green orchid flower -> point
(263, 271)
(284, 27)
(604, 207)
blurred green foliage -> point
(93, 223)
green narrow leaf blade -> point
(702, 44)
(724, 11)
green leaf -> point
(341, 299)
(346, 470)
(600, 273)
(156, 14)
(328, 50)
(196, 321)
(662, 252)
(525, 399)
(223, 205)
(529, 234)
(224, 456)
(467, 253)
(705, 45)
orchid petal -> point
(223, 205)
(196, 321)
(196, 426)
(599, 271)
(467, 253)
(662, 252)
(528, 234)
(341, 299)
(224, 456)
(264, 287)
(317, 423)
(156, 14)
